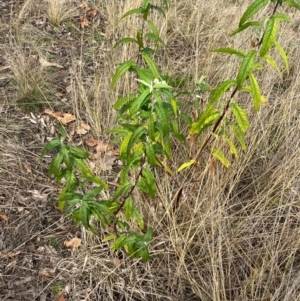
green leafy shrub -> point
(149, 119)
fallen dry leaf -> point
(91, 142)
(45, 63)
(117, 262)
(11, 264)
(73, 243)
(84, 22)
(3, 216)
(103, 147)
(10, 254)
(27, 168)
(91, 13)
(47, 272)
(61, 298)
(84, 5)
(67, 118)
(82, 129)
(63, 118)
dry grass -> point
(235, 234)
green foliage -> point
(149, 122)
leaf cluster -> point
(149, 120)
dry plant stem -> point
(132, 188)
(210, 138)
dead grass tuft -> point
(59, 11)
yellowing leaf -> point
(218, 154)
(109, 237)
(73, 243)
(186, 164)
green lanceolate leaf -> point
(252, 10)
(128, 206)
(139, 38)
(131, 160)
(163, 117)
(147, 183)
(78, 152)
(138, 217)
(230, 51)
(269, 37)
(151, 65)
(205, 120)
(83, 215)
(92, 193)
(219, 92)
(283, 55)
(67, 156)
(69, 198)
(124, 145)
(145, 74)
(145, 4)
(254, 24)
(150, 154)
(121, 190)
(121, 102)
(132, 12)
(71, 204)
(159, 9)
(71, 180)
(106, 207)
(282, 17)
(293, 3)
(232, 148)
(62, 131)
(125, 41)
(173, 103)
(120, 71)
(119, 242)
(272, 62)
(218, 154)
(154, 29)
(139, 102)
(240, 117)
(87, 173)
(245, 68)
(240, 136)
(255, 91)
(53, 144)
(176, 131)
(166, 144)
(99, 216)
(148, 236)
(135, 137)
(55, 166)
